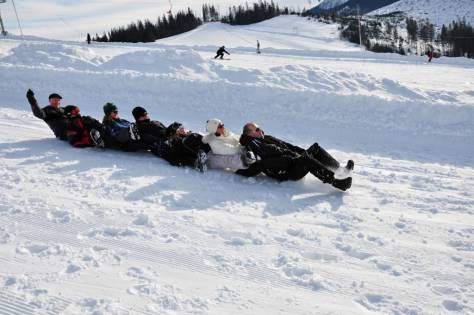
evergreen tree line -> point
(259, 11)
(209, 13)
(456, 39)
(147, 31)
(183, 21)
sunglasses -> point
(115, 112)
(258, 129)
(220, 126)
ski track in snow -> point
(84, 231)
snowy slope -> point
(329, 4)
(439, 12)
(72, 20)
(104, 232)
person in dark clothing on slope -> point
(83, 131)
(284, 161)
(120, 133)
(53, 114)
(152, 132)
(220, 52)
(178, 146)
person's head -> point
(176, 129)
(253, 130)
(215, 126)
(111, 111)
(140, 114)
(55, 100)
(72, 111)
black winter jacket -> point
(55, 117)
(182, 150)
(151, 131)
(274, 156)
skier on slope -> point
(284, 161)
(53, 114)
(120, 133)
(220, 52)
(175, 144)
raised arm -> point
(37, 111)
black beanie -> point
(109, 108)
(171, 130)
(138, 112)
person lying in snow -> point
(83, 131)
(284, 161)
(226, 150)
(152, 132)
(120, 133)
(53, 114)
(184, 148)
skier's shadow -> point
(178, 188)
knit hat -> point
(138, 112)
(109, 108)
(171, 130)
(71, 110)
(212, 125)
(54, 95)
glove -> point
(30, 93)
(249, 158)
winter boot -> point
(342, 184)
(134, 133)
(350, 165)
(318, 153)
(97, 139)
(318, 169)
(200, 162)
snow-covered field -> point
(90, 232)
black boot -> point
(319, 170)
(342, 184)
(350, 165)
(97, 138)
(323, 156)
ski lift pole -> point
(17, 18)
(4, 32)
(358, 18)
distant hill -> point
(437, 11)
(350, 6)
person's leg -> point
(297, 171)
(326, 175)
(323, 157)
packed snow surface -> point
(84, 231)
(438, 12)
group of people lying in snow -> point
(248, 155)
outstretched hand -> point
(30, 93)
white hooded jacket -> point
(226, 144)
